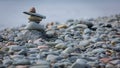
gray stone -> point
(15, 57)
(7, 62)
(41, 64)
(52, 58)
(21, 62)
(77, 65)
(1, 38)
(30, 45)
(99, 50)
(84, 43)
(50, 33)
(68, 50)
(34, 26)
(51, 43)
(16, 47)
(22, 52)
(60, 46)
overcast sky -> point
(55, 10)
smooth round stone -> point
(92, 64)
(39, 41)
(86, 37)
(16, 47)
(17, 57)
(115, 61)
(61, 64)
(116, 48)
(73, 58)
(41, 64)
(68, 50)
(51, 43)
(50, 33)
(81, 61)
(32, 57)
(79, 26)
(95, 40)
(21, 62)
(77, 65)
(33, 50)
(87, 31)
(52, 58)
(60, 46)
(34, 26)
(30, 41)
(43, 47)
(17, 39)
(99, 50)
(84, 43)
(58, 41)
(10, 43)
(22, 52)
(62, 26)
(30, 45)
(22, 66)
(31, 34)
(109, 66)
(7, 62)
(68, 37)
(11, 38)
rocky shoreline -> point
(91, 43)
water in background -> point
(55, 10)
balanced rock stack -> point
(34, 20)
(90, 43)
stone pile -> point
(91, 43)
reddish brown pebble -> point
(32, 10)
(105, 60)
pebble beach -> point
(89, 43)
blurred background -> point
(55, 10)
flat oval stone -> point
(21, 62)
(99, 50)
(60, 46)
(68, 50)
(51, 58)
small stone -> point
(22, 66)
(22, 52)
(84, 43)
(50, 34)
(99, 50)
(39, 41)
(1, 38)
(51, 58)
(21, 62)
(51, 43)
(34, 26)
(68, 50)
(105, 60)
(10, 43)
(43, 47)
(62, 26)
(7, 61)
(109, 66)
(16, 47)
(79, 64)
(60, 46)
